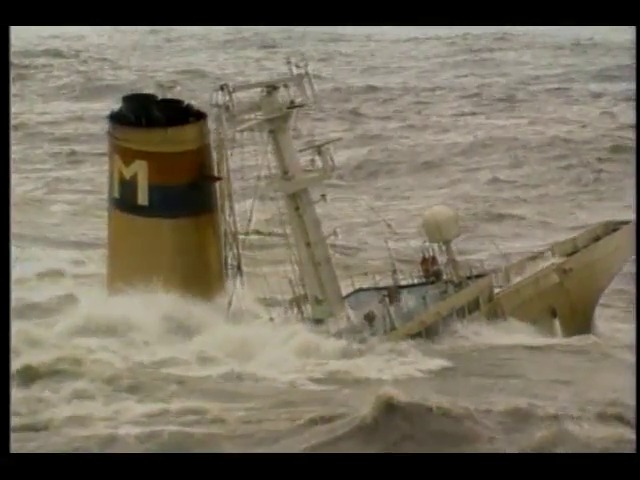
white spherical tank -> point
(441, 224)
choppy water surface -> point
(528, 132)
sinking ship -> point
(174, 224)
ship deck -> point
(390, 306)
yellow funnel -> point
(164, 226)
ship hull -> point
(565, 294)
(559, 298)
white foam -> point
(511, 332)
(195, 339)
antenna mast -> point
(274, 114)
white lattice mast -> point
(230, 232)
(274, 114)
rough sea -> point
(528, 131)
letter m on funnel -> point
(137, 168)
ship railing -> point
(468, 268)
(383, 279)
